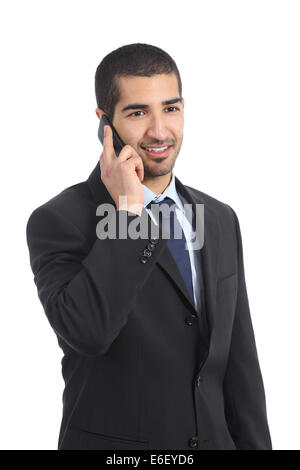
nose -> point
(157, 132)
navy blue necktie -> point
(177, 246)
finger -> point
(138, 166)
(101, 159)
(108, 146)
(127, 153)
(140, 173)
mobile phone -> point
(117, 141)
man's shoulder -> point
(73, 205)
(220, 208)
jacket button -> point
(143, 259)
(190, 320)
(147, 253)
(198, 381)
(151, 246)
(193, 442)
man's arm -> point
(244, 394)
(87, 291)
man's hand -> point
(122, 175)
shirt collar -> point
(170, 191)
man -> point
(159, 349)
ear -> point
(99, 112)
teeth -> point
(157, 149)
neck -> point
(158, 184)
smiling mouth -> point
(157, 151)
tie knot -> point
(166, 200)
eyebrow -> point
(145, 106)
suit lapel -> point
(168, 264)
(166, 261)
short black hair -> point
(137, 59)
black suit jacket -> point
(141, 369)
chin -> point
(158, 169)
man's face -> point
(150, 122)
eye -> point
(135, 113)
(173, 107)
(132, 114)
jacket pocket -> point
(83, 439)
(225, 278)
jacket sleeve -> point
(244, 395)
(87, 290)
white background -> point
(239, 64)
